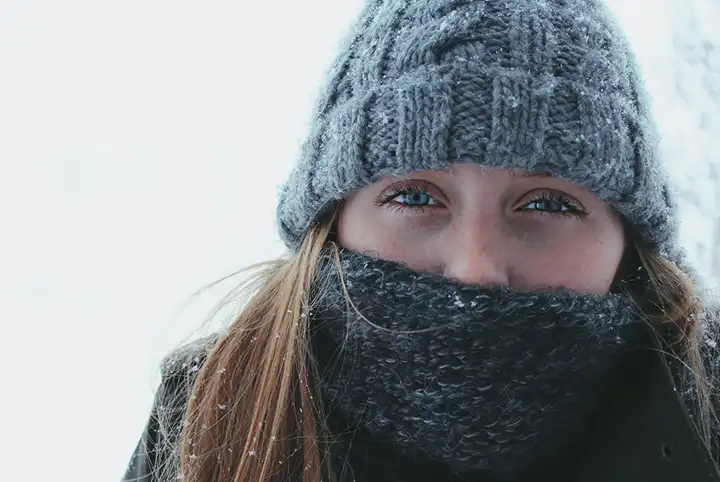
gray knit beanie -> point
(539, 85)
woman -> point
(484, 281)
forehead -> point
(477, 169)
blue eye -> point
(415, 198)
(409, 197)
(553, 204)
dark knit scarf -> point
(479, 380)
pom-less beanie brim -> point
(544, 86)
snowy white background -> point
(141, 147)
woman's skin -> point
(488, 226)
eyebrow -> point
(540, 174)
(513, 173)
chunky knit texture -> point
(491, 380)
(539, 85)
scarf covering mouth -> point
(477, 378)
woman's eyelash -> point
(423, 198)
(567, 206)
(418, 198)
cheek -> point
(603, 262)
(381, 233)
(363, 228)
(587, 264)
(356, 232)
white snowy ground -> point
(141, 146)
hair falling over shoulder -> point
(667, 296)
(253, 416)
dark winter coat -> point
(644, 433)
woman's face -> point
(487, 226)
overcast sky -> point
(142, 144)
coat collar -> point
(644, 432)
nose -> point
(477, 255)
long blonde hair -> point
(253, 414)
